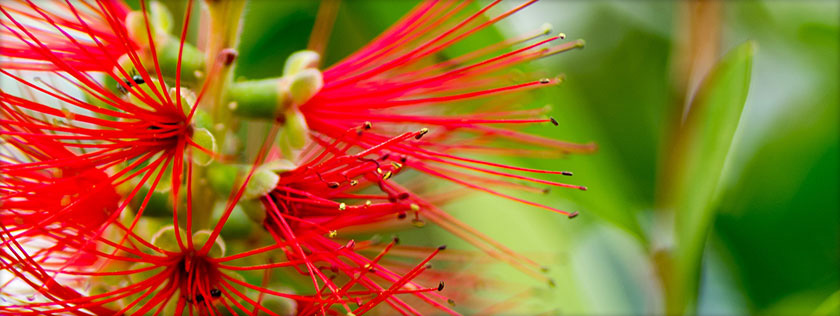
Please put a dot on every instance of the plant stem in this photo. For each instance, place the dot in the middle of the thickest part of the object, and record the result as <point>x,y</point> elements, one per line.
<point>222,41</point>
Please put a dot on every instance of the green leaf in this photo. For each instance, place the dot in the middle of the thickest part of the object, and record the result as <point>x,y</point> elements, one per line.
<point>696,163</point>
<point>831,306</point>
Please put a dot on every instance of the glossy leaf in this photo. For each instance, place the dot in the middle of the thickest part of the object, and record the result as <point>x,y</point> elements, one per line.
<point>696,163</point>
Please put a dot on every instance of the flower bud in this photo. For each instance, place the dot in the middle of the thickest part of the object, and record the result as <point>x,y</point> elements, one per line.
<point>301,60</point>
<point>266,98</point>
<point>254,209</point>
<point>280,165</point>
<point>304,85</point>
<point>261,183</point>
<point>296,129</point>
<point>205,139</point>
<point>201,237</point>
<point>293,136</point>
<point>192,60</point>
<point>167,47</point>
<point>165,239</point>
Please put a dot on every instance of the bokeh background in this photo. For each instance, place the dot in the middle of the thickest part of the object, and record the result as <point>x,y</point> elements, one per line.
<point>761,208</point>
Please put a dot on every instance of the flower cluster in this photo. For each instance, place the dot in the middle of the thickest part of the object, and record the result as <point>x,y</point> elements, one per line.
<point>135,179</point>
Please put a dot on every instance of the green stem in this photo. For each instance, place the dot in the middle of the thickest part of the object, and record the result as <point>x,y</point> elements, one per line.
<point>226,20</point>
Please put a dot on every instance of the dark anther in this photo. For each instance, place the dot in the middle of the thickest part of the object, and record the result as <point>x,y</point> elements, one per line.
<point>333,185</point>
<point>401,215</point>
<point>396,240</point>
<point>440,286</point>
<point>403,159</point>
<point>566,173</point>
<point>423,131</point>
<point>215,293</point>
<point>199,298</point>
<point>403,196</point>
<point>546,190</point>
<point>163,125</point>
<point>385,157</point>
<point>135,79</point>
<point>573,215</point>
<point>545,80</point>
<point>368,125</point>
<point>554,121</point>
<point>442,247</point>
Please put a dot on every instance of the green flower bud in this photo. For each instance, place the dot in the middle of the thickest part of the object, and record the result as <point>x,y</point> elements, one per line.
<point>205,139</point>
<point>280,165</point>
<point>167,47</point>
<point>192,60</point>
<point>201,237</point>
<point>296,129</point>
<point>165,239</point>
<point>301,60</point>
<point>304,85</point>
<point>266,98</point>
<point>254,209</point>
<point>261,183</point>
<point>187,98</point>
<point>202,119</point>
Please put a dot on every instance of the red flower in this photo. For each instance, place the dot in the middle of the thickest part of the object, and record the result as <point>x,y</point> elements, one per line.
<point>395,80</point>
<point>78,171</point>
<point>302,211</point>
<point>126,127</point>
<point>28,24</point>
<point>397,83</point>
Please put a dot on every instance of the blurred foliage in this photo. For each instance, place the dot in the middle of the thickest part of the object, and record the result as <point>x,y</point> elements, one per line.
<point>773,245</point>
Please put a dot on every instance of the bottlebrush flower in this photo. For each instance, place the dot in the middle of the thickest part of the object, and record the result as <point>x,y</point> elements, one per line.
<point>129,125</point>
<point>303,203</point>
<point>394,82</point>
<point>48,23</point>
<point>84,225</point>
<point>397,82</point>
<point>173,274</point>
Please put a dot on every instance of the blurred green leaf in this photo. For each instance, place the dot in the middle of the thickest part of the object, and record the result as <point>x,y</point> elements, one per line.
<point>831,306</point>
<point>783,210</point>
<point>696,163</point>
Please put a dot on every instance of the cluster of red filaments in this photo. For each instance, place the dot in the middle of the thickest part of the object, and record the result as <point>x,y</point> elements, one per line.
<point>26,24</point>
<point>304,213</point>
<point>71,166</point>
<point>395,81</point>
